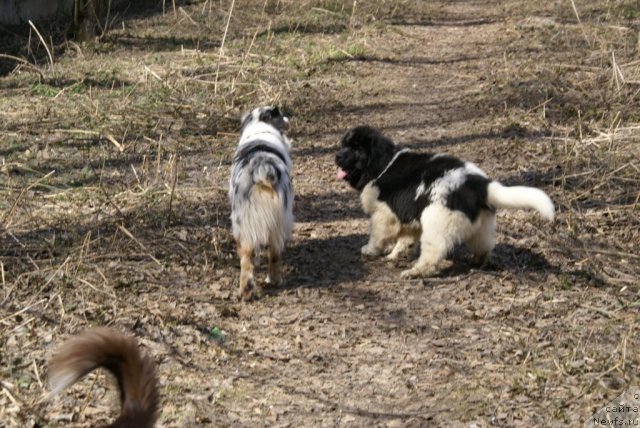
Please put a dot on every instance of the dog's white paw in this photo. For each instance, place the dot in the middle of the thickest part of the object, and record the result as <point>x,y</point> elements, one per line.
<point>393,256</point>
<point>275,282</point>
<point>417,272</point>
<point>370,251</point>
<point>410,273</point>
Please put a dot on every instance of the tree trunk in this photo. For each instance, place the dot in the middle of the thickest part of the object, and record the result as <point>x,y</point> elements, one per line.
<point>9,12</point>
<point>89,18</point>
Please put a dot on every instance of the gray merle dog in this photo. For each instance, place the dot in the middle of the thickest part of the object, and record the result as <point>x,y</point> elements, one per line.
<point>261,195</point>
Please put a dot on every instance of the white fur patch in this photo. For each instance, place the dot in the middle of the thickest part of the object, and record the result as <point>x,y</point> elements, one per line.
<point>261,211</point>
<point>420,191</point>
<point>441,188</point>
<point>263,131</point>
<point>369,198</point>
<point>472,168</point>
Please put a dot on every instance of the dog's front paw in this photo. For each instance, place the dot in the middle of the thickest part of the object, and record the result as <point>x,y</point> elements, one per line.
<point>370,251</point>
<point>274,281</point>
<point>480,260</point>
<point>248,290</point>
<point>415,272</point>
<point>410,273</point>
<point>393,256</point>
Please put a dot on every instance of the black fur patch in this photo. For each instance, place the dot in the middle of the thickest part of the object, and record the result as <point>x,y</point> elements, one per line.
<point>411,170</point>
<point>245,154</point>
<point>365,154</point>
<point>260,151</point>
<point>471,197</point>
<point>273,117</point>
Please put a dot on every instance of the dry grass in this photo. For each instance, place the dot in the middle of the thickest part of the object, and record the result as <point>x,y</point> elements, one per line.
<point>113,171</point>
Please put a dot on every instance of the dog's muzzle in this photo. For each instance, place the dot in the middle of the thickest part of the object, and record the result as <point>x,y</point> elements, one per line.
<point>344,158</point>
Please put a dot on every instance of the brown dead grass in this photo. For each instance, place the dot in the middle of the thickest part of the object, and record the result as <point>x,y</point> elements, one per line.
<point>114,162</point>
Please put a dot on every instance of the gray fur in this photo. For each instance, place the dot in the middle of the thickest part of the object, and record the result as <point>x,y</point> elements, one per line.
<point>260,189</point>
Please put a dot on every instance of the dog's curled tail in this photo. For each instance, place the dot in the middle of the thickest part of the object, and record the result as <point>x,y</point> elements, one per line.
<point>107,348</point>
<point>500,196</point>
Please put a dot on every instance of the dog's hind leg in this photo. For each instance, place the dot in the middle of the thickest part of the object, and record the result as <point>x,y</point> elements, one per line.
<point>247,289</point>
<point>441,230</point>
<point>483,240</point>
<point>275,265</point>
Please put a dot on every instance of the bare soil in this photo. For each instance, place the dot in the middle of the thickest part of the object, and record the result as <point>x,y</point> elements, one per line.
<point>114,164</point>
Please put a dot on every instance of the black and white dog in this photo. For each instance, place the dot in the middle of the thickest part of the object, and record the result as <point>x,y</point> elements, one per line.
<point>436,198</point>
<point>261,194</point>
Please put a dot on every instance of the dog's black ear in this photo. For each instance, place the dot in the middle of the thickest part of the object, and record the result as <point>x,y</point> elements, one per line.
<point>270,114</point>
<point>347,137</point>
<point>380,150</point>
<point>274,117</point>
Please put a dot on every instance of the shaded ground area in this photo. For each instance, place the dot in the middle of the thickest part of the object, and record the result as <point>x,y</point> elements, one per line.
<point>113,172</point>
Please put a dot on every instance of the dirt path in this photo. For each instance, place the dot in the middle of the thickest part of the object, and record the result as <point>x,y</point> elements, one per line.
<point>140,239</point>
<point>405,353</point>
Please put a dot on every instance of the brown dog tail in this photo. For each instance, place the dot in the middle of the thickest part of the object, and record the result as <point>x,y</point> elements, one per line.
<point>107,348</point>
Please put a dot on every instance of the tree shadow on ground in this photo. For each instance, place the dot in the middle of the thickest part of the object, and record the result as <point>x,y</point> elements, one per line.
<point>445,23</point>
<point>507,133</point>
<point>447,110</point>
<point>305,28</point>
<point>584,183</point>
<point>504,134</point>
<point>159,231</point>
<point>417,61</point>
<point>15,40</point>
<point>160,44</point>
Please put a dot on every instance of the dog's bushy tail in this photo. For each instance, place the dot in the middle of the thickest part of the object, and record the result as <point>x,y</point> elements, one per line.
<point>107,348</point>
<point>523,197</point>
<point>266,175</point>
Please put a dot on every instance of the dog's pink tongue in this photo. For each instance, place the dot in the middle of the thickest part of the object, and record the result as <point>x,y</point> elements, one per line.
<point>341,174</point>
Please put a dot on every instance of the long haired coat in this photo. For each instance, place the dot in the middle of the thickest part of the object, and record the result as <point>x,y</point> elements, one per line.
<point>261,194</point>
<point>135,373</point>
<point>436,199</point>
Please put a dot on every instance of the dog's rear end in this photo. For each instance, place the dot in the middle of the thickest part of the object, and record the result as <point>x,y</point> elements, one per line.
<point>261,196</point>
<point>135,374</point>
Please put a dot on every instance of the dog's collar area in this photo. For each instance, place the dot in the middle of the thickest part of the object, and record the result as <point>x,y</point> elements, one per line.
<point>401,151</point>
<point>253,134</point>
<point>261,147</point>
